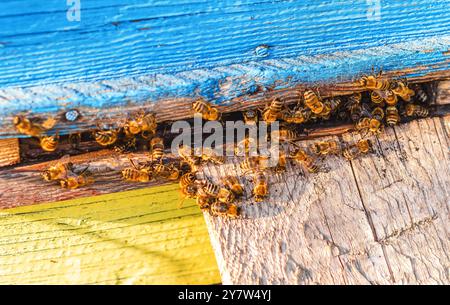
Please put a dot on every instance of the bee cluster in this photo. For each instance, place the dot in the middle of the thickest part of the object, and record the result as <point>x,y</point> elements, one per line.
<point>383,102</point>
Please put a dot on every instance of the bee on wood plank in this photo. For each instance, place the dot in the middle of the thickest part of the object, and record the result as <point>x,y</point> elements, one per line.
<point>31,128</point>
<point>187,156</point>
<point>401,89</point>
<point>250,117</point>
<point>416,110</point>
<point>302,158</point>
<point>232,183</point>
<point>137,173</point>
<point>243,147</point>
<point>375,82</point>
<point>157,149</point>
<point>313,102</point>
<point>226,195</point>
<point>169,172</point>
<point>392,116</point>
<point>273,110</point>
<point>249,165</point>
<point>369,125</point>
<point>207,111</point>
<point>106,137</point>
<point>209,155</point>
<point>209,189</point>
<point>205,202</point>
<point>260,186</point>
<point>229,210</point>
<point>49,143</point>
<point>325,147</point>
<point>58,169</point>
<point>297,116</point>
<point>76,180</point>
<point>143,123</point>
<point>353,151</point>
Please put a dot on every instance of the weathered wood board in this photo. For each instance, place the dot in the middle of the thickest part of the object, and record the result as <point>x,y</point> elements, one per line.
<point>9,152</point>
<point>381,219</point>
<point>133,237</point>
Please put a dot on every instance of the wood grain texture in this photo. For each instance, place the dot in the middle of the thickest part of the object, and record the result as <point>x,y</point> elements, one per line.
<point>443,93</point>
<point>376,220</point>
<point>105,165</point>
<point>9,152</point>
<point>119,57</point>
<point>134,237</point>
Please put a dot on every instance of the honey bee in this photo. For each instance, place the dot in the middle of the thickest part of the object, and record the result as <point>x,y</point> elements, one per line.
<point>186,153</point>
<point>401,89</point>
<point>376,120</point>
<point>209,189</point>
<point>232,183</point>
<point>354,107</point>
<point>353,151</point>
<point>188,191</point>
<point>58,170</point>
<point>284,135</point>
<point>49,143</point>
<point>30,128</point>
<point>372,82</point>
<point>376,97</point>
<point>416,110</point>
<point>207,111</point>
<point>301,157</point>
<point>273,110</point>
<point>225,195</point>
<point>330,106</point>
<point>325,147</point>
<point>391,98</point>
<point>392,116</point>
<point>369,125</point>
<point>261,187</point>
<point>157,149</point>
<point>187,179</point>
<point>144,123</point>
<point>313,102</point>
<point>205,202</point>
<point>73,180</point>
<point>421,95</point>
<point>243,147</point>
<point>209,154</point>
<point>298,116</point>
<point>137,173</point>
<point>223,209</point>
<point>106,137</point>
<point>250,117</point>
<point>250,164</point>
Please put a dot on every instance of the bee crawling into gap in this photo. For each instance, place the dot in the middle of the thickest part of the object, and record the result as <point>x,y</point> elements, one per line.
<point>106,137</point>
<point>75,180</point>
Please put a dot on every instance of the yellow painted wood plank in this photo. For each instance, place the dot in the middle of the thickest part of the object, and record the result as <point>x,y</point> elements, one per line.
<point>133,237</point>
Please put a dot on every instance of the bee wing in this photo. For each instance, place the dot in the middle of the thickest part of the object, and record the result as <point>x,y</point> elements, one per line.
<point>366,110</point>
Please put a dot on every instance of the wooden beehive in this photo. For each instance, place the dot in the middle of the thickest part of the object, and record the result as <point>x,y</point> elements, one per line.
<point>381,219</point>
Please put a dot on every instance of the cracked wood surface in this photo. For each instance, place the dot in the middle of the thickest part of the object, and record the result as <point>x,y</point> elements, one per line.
<point>380,219</point>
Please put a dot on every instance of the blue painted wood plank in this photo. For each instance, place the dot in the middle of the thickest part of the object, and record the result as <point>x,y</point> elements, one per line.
<point>136,52</point>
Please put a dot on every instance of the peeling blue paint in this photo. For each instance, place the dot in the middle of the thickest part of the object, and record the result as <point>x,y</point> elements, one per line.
<point>218,50</point>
